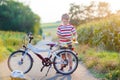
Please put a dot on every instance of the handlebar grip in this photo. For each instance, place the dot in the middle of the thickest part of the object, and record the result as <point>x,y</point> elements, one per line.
<point>29,33</point>
<point>31,37</point>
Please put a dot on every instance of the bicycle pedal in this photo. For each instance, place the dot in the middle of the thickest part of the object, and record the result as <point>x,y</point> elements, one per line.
<point>48,69</point>
<point>42,68</point>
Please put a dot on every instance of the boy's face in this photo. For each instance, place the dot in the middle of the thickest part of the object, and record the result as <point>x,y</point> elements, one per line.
<point>65,21</point>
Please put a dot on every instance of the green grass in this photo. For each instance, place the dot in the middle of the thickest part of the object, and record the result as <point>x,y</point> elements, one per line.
<point>50,25</point>
<point>9,42</point>
<point>97,75</point>
<point>101,63</point>
<point>3,50</point>
<point>12,39</point>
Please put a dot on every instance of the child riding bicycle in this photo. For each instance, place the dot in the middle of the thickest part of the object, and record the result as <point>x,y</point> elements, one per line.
<point>65,33</point>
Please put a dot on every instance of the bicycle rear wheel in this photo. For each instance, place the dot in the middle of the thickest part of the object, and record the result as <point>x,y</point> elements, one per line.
<point>68,64</point>
<point>16,61</point>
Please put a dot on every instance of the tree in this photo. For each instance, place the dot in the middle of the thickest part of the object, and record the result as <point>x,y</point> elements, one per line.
<point>89,11</point>
<point>16,16</point>
<point>75,14</point>
<point>80,14</point>
<point>103,9</point>
<point>37,29</point>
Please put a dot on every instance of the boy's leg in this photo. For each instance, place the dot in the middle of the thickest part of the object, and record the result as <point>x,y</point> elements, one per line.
<point>70,57</point>
<point>70,61</point>
<point>63,57</point>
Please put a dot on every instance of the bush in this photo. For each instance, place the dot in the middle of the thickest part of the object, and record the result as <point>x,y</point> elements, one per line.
<point>9,41</point>
<point>3,51</point>
<point>113,75</point>
<point>13,42</point>
<point>103,34</point>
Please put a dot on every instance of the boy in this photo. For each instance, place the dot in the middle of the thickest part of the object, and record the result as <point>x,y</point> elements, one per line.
<point>65,34</point>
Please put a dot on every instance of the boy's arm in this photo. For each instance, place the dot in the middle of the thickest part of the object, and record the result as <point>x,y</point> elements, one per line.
<point>59,33</point>
<point>74,33</point>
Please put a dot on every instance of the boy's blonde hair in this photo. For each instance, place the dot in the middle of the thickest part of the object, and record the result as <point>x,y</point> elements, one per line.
<point>65,16</point>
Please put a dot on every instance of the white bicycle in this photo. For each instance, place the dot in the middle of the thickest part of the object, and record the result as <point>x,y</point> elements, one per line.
<point>23,61</point>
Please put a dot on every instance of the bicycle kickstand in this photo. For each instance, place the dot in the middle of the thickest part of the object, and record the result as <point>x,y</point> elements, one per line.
<point>48,69</point>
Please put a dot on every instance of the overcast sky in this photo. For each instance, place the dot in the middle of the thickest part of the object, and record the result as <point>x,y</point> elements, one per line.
<point>51,10</point>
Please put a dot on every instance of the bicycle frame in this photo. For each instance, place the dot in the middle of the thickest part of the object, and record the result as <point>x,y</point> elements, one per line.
<point>37,52</point>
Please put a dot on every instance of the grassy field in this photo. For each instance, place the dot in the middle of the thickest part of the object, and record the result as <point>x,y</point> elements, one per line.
<point>50,25</point>
<point>9,42</point>
<point>101,63</point>
<point>50,28</point>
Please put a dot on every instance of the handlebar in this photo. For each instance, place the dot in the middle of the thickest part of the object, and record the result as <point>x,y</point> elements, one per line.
<point>30,36</point>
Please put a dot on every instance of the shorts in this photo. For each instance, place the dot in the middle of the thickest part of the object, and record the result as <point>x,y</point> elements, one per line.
<point>69,46</point>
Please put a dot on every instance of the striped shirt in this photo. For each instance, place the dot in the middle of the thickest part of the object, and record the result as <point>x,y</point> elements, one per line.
<point>66,33</point>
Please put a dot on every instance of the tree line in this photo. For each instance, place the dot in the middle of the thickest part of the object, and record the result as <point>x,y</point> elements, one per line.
<point>81,14</point>
<point>15,16</point>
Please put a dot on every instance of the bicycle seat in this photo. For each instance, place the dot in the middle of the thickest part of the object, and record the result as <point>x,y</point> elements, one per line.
<point>51,44</point>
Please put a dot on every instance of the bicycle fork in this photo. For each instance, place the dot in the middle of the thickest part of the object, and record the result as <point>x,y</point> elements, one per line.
<point>23,56</point>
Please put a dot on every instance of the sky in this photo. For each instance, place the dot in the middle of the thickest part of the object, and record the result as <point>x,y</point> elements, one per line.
<point>51,10</point>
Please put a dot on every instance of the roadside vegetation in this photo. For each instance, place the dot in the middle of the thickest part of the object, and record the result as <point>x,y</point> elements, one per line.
<point>9,42</point>
<point>100,48</point>
<point>102,64</point>
<point>99,38</point>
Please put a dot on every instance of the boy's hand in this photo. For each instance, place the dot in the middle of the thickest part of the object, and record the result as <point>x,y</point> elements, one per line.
<point>74,40</point>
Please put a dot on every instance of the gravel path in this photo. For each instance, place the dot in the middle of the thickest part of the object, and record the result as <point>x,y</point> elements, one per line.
<point>80,74</point>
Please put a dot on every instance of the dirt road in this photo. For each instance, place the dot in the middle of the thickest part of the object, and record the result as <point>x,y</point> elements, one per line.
<point>80,74</point>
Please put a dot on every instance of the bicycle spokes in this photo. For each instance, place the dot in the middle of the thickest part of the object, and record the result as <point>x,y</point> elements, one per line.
<point>67,64</point>
<point>17,62</point>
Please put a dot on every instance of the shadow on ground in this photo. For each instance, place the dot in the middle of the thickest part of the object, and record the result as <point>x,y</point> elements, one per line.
<point>58,77</point>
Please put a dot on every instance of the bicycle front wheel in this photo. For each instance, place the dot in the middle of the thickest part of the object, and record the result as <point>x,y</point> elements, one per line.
<point>65,62</point>
<point>18,60</point>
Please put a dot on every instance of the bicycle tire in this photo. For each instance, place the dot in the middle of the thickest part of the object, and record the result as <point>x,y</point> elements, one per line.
<point>62,72</point>
<point>17,52</point>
